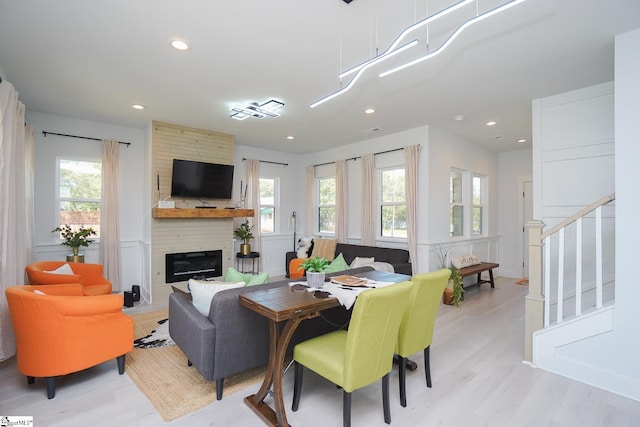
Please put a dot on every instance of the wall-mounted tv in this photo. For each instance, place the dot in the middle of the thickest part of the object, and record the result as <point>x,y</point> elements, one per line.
<point>201,180</point>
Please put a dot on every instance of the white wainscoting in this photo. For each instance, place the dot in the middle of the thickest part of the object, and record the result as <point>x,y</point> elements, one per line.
<point>487,249</point>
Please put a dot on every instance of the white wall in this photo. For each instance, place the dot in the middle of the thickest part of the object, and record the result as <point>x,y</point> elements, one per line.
<point>610,360</point>
<point>291,198</point>
<point>448,151</point>
<point>131,187</point>
<point>514,166</point>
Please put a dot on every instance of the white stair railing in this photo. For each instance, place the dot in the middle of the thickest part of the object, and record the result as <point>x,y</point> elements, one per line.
<point>547,289</point>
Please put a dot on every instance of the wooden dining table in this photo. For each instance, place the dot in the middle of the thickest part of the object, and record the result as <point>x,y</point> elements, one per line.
<point>292,307</point>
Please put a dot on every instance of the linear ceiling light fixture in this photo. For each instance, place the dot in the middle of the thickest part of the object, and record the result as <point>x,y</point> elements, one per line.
<point>391,51</point>
<point>453,36</point>
<point>258,111</point>
<point>394,49</point>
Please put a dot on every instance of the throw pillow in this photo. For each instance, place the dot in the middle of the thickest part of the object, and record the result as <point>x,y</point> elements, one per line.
<point>360,261</point>
<point>338,264</point>
<point>324,248</point>
<point>63,269</point>
<point>295,272</point>
<point>203,292</point>
<point>305,247</point>
<point>464,261</point>
<point>234,275</point>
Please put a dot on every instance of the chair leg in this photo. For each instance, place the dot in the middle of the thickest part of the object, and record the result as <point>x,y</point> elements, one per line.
<point>297,385</point>
<point>402,380</point>
<point>219,386</point>
<point>120,360</point>
<point>51,387</point>
<point>346,409</point>
<point>31,380</point>
<point>385,399</point>
<point>427,366</point>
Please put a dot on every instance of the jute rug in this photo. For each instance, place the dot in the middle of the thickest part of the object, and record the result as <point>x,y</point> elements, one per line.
<point>171,386</point>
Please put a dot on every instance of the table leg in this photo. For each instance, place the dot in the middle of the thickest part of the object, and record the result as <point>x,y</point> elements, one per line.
<point>277,352</point>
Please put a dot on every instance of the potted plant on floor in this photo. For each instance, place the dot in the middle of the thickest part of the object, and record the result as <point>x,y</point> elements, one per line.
<point>74,239</point>
<point>244,232</point>
<point>453,291</point>
<point>315,267</point>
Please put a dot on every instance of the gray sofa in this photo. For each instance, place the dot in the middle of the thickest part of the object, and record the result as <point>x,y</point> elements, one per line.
<point>398,258</point>
<point>233,338</point>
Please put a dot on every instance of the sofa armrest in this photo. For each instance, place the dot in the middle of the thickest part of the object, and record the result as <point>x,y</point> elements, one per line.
<point>405,268</point>
<point>193,333</point>
<point>287,260</point>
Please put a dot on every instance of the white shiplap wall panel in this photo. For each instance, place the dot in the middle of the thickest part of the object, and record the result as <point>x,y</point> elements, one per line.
<point>185,235</point>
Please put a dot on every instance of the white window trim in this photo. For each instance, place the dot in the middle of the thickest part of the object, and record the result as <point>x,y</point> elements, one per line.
<point>379,172</point>
<point>276,203</point>
<point>56,214</point>
<point>318,206</point>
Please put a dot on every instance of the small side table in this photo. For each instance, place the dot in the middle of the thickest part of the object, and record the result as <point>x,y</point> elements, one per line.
<point>242,258</point>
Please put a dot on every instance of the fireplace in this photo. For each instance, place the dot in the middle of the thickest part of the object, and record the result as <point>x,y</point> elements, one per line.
<point>183,266</point>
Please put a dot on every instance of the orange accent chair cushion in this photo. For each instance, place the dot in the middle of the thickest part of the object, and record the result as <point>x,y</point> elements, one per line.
<point>62,331</point>
<point>294,271</point>
<point>88,275</point>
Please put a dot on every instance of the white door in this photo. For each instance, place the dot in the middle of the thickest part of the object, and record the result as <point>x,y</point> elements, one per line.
<point>527,215</point>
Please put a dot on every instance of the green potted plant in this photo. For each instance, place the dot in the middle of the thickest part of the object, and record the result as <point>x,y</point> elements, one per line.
<point>75,238</point>
<point>315,267</point>
<point>455,285</point>
<point>244,232</point>
<point>453,291</point>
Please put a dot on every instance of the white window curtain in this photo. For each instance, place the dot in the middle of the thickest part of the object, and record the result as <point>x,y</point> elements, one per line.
<point>368,230</point>
<point>411,161</point>
<point>253,183</point>
<point>310,193</point>
<point>341,201</point>
<point>16,216</point>
<point>109,214</point>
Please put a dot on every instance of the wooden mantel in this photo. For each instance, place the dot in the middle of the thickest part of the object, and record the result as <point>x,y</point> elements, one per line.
<point>201,213</point>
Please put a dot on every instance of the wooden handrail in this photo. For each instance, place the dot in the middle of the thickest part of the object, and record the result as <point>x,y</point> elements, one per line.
<point>573,218</point>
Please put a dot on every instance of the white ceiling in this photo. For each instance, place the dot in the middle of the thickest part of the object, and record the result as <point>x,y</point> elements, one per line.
<point>92,60</point>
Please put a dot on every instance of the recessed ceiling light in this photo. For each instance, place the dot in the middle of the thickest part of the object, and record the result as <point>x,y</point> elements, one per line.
<point>179,44</point>
<point>291,137</point>
<point>369,111</point>
<point>491,123</point>
<point>137,107</point>
<point>522,141</point>
<point>458,118</point>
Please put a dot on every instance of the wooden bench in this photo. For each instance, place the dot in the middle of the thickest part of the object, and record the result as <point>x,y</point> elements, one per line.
<point>478,269</point>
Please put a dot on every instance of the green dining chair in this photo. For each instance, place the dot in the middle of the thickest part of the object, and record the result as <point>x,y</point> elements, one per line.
<point>361,355</point>
<point>416,328</point>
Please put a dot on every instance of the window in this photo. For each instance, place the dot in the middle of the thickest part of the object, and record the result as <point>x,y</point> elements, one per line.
<point>327,205</point>
<point>268,187</point>
<point>79,193</point>
<point>393,206</point>
<point>456,209</point>
<point>477,202</point>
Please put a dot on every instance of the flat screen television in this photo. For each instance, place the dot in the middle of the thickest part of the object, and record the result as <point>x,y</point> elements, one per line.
<point>200,180</point>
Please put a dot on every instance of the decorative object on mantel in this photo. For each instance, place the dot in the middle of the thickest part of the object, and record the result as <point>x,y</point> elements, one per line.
<point>74,239</point>
<point>244,232</point>
<point>315,268</point>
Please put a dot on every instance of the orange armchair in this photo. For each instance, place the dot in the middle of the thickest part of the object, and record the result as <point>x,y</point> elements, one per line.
<point>88,275</point>
<point>64,331</point>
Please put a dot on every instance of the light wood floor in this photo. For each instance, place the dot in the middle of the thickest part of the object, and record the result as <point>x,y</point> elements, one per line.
<point>478,380</point>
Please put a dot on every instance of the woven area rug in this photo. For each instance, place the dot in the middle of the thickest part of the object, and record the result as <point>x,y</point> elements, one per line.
<point>171,386</point>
